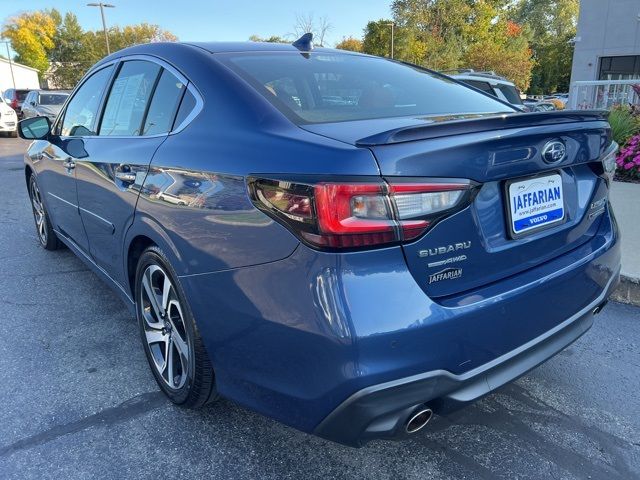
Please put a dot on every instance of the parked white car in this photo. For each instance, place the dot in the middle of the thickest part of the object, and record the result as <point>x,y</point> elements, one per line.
<point>491,83</point>
<point>8,119</point>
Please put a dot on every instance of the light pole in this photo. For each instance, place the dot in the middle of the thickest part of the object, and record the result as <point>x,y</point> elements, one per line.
<point>104,25</point>
<point>392,32</point>
<point>13,78</point>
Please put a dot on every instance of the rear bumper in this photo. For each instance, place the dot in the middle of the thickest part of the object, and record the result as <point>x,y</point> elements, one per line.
<point>381,411</point>
<point>9,126</point>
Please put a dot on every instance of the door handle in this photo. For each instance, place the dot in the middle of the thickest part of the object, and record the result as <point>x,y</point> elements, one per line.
<point>124,174</point>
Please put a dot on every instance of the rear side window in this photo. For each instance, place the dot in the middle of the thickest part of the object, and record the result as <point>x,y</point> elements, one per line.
<point>484,86</point>
<point>164,105</point>
<point>80,115</point>
<point>128,98</point>
<point>186,107</point>
<point>510,93</point>
<point>334,87</point>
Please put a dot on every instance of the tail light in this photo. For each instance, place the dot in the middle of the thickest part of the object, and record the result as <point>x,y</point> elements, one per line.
<point>14,104</point>
<point>351,215</point>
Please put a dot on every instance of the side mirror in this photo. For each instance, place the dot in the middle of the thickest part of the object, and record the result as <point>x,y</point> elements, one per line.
<point>35,128</point>
<point>33,103</point>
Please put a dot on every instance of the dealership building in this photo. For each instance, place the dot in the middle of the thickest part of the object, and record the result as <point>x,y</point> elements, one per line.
<point>607,53</point>
<point>13,74</point>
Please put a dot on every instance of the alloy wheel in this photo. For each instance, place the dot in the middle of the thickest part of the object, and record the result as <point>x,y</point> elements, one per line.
<point>38,213</point>
<point>164,326</point>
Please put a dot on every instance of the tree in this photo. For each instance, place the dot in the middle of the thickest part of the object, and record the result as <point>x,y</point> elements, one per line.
<point>307,23</point>
<point>449,34</point>
<point>350,43</point>
<point>552,27</point>
<point>506,52</point>
<point>69,58</point>
<point>271,39</point>
<point>32,37</point>
<point>377,38</point>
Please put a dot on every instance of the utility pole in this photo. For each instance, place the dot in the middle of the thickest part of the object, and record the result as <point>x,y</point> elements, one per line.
<point>392,35</point>
<point>104,24</point>
<point>13,78</point>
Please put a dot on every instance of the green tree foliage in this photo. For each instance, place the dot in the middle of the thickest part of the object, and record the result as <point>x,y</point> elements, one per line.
<point>57,45</point>
<point>552,26</point>
<point>70,58</point>
<point>271,39</point>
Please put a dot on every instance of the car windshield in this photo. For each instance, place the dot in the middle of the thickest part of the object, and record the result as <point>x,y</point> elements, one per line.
<point>52,98</point>
<point>333,87</point>
<point>511,93</point>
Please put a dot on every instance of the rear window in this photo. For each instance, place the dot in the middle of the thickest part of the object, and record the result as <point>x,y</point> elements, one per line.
<point>328,87</point>
<point>21,94</point>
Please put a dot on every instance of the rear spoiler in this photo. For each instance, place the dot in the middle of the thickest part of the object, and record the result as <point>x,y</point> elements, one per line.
<point>446,128</point>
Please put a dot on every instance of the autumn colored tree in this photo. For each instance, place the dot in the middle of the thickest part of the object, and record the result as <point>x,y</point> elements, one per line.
<point>350,43</point>
<point>32,37</point>
<point>506,51</point>
<point>449,34</point>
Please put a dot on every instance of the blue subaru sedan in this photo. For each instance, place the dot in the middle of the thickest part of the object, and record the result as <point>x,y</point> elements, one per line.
<point>344,243</point>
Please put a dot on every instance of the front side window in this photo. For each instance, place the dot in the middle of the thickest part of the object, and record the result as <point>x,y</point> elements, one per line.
<point>334,87</point>
<point>80,115</point>
<point>128,99</point>
<point>164,104</point>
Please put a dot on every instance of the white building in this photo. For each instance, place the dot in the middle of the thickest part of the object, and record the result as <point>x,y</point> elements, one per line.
<point>606,60</point>
<point>24,77</point>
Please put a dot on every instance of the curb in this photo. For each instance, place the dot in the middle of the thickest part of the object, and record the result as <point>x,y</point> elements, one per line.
<point>628,291</point>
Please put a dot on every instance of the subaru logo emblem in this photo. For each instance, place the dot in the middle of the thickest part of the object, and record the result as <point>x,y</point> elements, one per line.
<point>554,152</point>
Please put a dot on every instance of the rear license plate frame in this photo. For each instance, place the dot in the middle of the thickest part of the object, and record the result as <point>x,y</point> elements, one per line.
<point>516,234</point>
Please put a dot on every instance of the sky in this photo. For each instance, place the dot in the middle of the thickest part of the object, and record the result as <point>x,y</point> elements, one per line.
<point>217,20</point>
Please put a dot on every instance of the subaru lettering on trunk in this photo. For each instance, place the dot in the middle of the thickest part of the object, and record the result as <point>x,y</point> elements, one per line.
<point>290,225</point>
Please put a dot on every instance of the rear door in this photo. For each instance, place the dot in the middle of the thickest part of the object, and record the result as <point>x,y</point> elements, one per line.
<point>28,110</point>
<point>138,113</point>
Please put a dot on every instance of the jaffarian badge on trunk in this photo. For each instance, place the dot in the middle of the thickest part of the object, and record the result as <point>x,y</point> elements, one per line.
<point>446,274</point>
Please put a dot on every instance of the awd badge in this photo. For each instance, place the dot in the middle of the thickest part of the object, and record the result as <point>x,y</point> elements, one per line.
<point>446,274</point>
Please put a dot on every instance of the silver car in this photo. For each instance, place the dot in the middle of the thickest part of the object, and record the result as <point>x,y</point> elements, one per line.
<point>44,103</point>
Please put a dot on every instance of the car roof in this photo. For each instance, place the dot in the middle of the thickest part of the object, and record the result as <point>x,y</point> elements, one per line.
<point>228,47</point>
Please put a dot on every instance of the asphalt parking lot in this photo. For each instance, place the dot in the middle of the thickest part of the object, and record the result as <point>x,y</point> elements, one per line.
<point>77,399</point>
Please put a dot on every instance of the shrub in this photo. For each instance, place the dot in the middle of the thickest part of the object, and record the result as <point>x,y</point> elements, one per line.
<point>557,103</point>
<point>624,123</point>
<point>628,159</point>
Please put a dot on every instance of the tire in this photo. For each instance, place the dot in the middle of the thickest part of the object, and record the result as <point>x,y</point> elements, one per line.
<point>169,334</point>
<point>13,134</point>
<point>46,235</point>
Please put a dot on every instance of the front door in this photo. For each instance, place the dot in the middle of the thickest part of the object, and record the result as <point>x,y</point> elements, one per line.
<point>56,159</point>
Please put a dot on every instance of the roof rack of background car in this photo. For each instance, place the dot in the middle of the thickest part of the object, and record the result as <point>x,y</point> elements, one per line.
<point>472,72</point>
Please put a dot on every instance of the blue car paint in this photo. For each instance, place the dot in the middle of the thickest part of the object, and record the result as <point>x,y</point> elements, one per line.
<point>294,332</point>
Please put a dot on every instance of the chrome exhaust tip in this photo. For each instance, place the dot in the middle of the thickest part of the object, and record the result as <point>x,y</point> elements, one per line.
<point>599,308</point>
<point>418,420</point>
